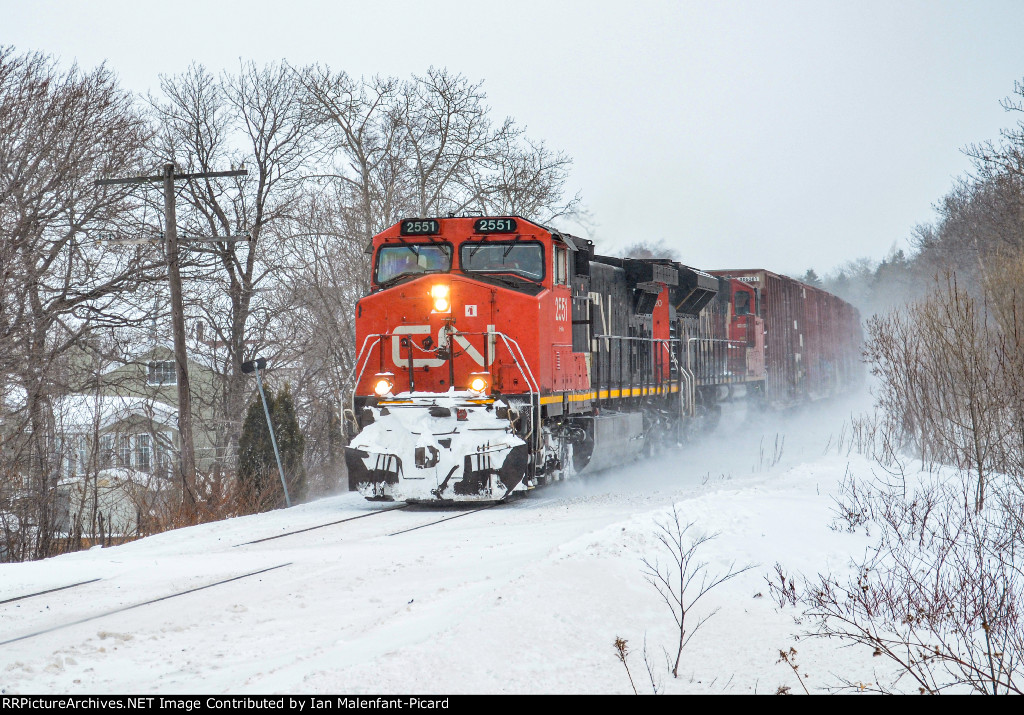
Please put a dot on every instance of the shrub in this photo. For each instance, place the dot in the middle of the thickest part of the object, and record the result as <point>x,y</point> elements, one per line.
<point>257,467</point>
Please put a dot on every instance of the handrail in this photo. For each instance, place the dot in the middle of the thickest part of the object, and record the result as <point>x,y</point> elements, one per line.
<point>359,357</point>
<point>519,361</point>
<point>687,406</point>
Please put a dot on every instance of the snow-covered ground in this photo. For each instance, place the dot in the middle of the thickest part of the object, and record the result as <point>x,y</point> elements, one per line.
<point>525,598</point>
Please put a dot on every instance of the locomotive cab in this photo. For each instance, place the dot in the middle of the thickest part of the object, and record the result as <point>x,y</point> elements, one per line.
<point>746,332</point>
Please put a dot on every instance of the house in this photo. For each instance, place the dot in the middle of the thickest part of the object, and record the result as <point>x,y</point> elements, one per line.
<point>151,375</point>
<point>117,448</point>
<point>97,432</point>
<point>113,444</point>
<point>115,457</point>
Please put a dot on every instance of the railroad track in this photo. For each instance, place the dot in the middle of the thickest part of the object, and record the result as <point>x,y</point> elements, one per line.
<point>368,514</point>
<point>151,601</point>
<point>322,526</point>
<point>130,607</point>
<point>49,590</point>
<point>449,518</point>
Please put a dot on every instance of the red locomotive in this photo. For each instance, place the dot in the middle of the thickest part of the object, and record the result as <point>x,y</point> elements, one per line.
<point>496,354</point>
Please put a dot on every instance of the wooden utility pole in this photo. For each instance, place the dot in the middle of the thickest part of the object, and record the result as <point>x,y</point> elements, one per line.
<point>167,178</point>
<point>188,451</point>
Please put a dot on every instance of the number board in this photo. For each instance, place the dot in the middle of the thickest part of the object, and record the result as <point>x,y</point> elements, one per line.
<point>420,227</point>
<point>495,225</point>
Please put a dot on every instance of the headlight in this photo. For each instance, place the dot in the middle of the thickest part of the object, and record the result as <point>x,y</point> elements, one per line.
<point>382,385</point>
<point>478,382</point>
<point>439,294</point>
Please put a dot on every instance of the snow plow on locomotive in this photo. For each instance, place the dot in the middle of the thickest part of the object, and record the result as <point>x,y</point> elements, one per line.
<point>496,355</point>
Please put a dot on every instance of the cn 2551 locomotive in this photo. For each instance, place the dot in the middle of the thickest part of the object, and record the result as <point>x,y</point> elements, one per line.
<point>497,354</point>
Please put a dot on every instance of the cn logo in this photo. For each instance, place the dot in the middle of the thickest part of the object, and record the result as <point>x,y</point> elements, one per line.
<point>400,355</point>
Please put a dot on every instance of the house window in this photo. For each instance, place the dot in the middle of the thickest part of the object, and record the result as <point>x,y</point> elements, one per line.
<point>142,453</point>
<point>83,454</point>
<point>62,510</point>
<point>72,454</point>
<point>65,455</point>
<point>163,453</point>
<point>124,451</point>
<point>106,451</point>
<point>162,372</point>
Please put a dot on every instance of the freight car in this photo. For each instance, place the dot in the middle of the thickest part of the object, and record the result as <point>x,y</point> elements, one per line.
<point>497,354</point>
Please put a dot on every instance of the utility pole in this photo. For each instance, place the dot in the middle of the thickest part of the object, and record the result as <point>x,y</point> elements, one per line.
<point>188,453</point>
<point>167,178</point>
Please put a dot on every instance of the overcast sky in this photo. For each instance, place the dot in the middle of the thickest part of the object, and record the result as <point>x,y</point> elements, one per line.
<point>783,135</point>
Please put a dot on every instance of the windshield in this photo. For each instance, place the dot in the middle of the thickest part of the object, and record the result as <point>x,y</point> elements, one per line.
<point>524,259</point>
<point>742,303</point>
<point>412,258</point>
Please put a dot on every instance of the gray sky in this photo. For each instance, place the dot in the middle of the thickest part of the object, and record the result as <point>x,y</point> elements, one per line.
<point>783,135</point>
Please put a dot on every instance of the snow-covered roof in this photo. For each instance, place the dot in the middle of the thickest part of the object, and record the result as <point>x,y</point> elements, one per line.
<point>75,412</point>
<point>117,477</point>
<point>204,357</point>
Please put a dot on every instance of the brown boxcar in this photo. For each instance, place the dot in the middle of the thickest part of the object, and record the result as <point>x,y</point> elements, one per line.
<point>812,338</point>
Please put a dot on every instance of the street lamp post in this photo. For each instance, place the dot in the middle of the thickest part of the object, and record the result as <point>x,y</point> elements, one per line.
<point>255,366</point>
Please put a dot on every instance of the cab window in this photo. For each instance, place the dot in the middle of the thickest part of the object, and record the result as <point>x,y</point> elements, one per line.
<point>561,266</point>
<point>521,259</point>
<point>742,302</point>
<point>395,261</point>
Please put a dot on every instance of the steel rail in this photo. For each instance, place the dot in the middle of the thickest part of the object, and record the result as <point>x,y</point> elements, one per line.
<point>321,526</point>
<point>440,521</point>
<point>51,590</point>
<point>138,605</point>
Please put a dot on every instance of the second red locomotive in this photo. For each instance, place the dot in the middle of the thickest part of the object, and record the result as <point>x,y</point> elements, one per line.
<point>496,354</point>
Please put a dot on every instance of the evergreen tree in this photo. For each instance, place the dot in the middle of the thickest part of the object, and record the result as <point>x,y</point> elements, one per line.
<point>811,278</point>
<point>257,467</point>
<point>292,443</point>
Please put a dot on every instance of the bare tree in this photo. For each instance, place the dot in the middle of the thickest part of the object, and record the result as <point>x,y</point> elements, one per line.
<point>363,146</point>
<point>685,580</point>
<point>450,138</point>
<point>528,179</point>
<point>252,117</point>
<point>940,597</point>
<point>461,161</point>
<point>60,130</point>
<point>325,275</point>
<point>940,377</point>
<point>428,146</point>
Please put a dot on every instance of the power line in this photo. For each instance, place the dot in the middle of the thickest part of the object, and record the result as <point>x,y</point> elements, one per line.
<point>167,178</point>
